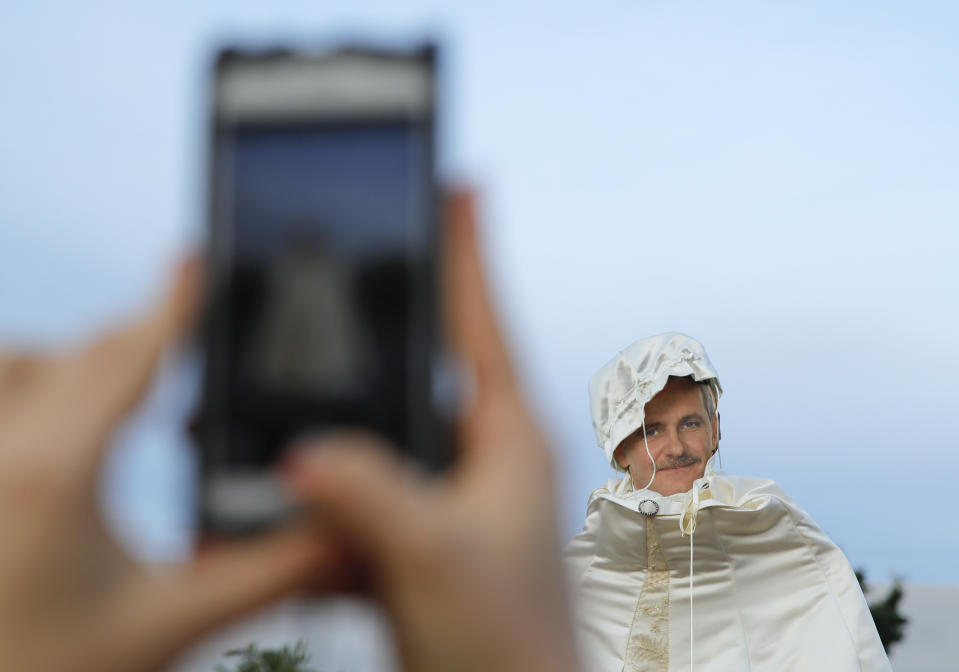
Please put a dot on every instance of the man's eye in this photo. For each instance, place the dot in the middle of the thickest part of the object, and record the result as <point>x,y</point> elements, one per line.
<point>651,432</point>
<point>691,423</point>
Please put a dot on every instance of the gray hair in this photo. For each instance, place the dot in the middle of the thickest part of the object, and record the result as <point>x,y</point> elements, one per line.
<point>709,400</point>
<point>708,393</point>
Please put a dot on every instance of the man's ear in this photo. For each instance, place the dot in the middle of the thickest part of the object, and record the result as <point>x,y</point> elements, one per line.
<point>717,433</point>
<point>620,458</point>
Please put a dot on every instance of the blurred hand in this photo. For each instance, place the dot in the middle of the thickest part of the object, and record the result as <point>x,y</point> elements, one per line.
<point>70,598</point>
<point>466,567</point>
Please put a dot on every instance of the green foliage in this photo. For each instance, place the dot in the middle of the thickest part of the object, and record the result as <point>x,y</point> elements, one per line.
<point>254,659</point>
<point>885,613</point>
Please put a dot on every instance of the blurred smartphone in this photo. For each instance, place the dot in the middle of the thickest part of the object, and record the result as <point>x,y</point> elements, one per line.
<point>323,268</point>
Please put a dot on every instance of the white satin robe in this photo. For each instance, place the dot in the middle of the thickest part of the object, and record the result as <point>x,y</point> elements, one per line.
<point>772,593</point>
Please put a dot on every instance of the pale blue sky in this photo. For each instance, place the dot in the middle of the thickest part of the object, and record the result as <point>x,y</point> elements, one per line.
<point>777,179</point>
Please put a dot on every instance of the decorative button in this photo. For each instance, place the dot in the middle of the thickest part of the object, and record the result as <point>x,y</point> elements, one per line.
<point>648,508</point>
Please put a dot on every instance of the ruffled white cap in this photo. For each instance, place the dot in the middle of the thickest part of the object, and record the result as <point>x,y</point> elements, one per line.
<point>619,391</point>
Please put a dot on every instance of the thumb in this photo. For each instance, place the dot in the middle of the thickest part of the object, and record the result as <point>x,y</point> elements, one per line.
<point>356,484</point>
<point>179,604</point>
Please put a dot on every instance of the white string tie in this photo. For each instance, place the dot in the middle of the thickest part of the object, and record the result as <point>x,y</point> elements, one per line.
<point>687,526</point>
<point>651,460</point>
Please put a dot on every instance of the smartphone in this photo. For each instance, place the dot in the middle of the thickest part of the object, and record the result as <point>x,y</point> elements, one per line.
<point>323,287</point>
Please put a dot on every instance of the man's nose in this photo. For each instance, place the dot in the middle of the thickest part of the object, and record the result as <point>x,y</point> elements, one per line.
<point>673,445</point>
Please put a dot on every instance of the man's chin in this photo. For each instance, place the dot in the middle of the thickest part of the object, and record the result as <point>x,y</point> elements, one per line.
<point>671,489</point>
<point>677,481</point>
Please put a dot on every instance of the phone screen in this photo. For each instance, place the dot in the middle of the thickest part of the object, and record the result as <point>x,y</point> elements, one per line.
<point>323,317</point>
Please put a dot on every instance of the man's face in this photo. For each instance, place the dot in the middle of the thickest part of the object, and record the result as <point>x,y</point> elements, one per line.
<point>681,439</point>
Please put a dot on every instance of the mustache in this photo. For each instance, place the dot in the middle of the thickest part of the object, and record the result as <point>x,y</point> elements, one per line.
<point>681,461</point>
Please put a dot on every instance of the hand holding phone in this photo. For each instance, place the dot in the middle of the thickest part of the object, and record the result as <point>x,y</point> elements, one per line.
<point>466,567</point>
<point>71,598</point>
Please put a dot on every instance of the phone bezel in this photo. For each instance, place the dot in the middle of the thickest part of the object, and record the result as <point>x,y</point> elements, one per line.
<point>430,443</point>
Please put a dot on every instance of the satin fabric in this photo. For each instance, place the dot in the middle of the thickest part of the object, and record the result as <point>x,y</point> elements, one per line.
<point>771,591</point>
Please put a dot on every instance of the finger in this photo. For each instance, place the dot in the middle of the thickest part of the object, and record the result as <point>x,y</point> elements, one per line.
<point>101,383</point>
<point>472,321</point>
<point>354,483</point>
<point>220,586</point>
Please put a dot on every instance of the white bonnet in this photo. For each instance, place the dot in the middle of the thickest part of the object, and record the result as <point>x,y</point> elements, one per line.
<point>618,392</point>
